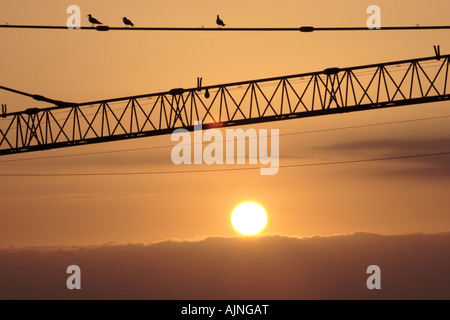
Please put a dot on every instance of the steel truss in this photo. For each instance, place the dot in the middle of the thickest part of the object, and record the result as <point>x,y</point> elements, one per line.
<point>330,91</point>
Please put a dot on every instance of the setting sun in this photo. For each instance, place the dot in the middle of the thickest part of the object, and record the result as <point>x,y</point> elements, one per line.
<point>249,218</point>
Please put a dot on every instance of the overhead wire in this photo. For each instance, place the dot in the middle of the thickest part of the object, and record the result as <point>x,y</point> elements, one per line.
<point>222,169</point>
<point>305,29</point>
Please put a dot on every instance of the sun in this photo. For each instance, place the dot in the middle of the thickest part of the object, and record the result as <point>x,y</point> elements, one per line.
<point>249,218</point>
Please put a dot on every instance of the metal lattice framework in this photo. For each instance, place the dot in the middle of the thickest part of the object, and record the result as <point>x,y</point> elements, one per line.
<point>330,91</point>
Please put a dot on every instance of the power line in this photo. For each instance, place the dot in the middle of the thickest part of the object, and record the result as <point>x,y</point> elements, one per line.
<point>88,154</point>
<point>38,97</point>
<point>220,170</point>
<point>202,29</point>
<point>283,134</point>
<point>368,125</point>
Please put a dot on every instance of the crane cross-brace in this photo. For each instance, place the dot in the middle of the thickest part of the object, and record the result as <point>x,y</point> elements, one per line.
<point>330,91</point>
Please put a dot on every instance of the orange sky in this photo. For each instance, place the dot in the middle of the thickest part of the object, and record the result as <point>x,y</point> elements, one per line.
<point>392,197</point>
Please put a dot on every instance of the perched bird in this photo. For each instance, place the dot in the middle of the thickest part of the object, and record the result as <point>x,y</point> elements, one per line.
<point>93,20</point>
<point>127,22</point>
<point>219,22</point>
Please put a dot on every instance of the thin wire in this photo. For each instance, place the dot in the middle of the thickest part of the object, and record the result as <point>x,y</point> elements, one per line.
<point>368,125</point>
<point>202,29</point>
<point>219,170</point>
<point>283,134</point>
<point>87,154</point>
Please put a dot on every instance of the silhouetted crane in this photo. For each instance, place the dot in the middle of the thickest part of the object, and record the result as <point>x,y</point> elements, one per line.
<point>330,91</point>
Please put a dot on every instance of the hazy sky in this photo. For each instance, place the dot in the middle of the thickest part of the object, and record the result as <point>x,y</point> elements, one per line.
<point>389,197</point>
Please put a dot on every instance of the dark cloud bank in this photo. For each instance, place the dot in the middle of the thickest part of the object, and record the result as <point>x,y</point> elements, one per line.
<point>415,266</point>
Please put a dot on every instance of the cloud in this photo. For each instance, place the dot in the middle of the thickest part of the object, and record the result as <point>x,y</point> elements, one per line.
<point>429,166</point>
<point>412,266</point>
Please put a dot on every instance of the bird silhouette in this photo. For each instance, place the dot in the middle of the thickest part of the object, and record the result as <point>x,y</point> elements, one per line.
<point>93,20</point>
<point>127,22</point>
<point>219,22</point>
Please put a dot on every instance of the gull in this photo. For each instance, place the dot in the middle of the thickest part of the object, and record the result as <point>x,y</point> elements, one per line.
<point>93,20</point>
<point>127,22</point>
<point>220,22</point>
